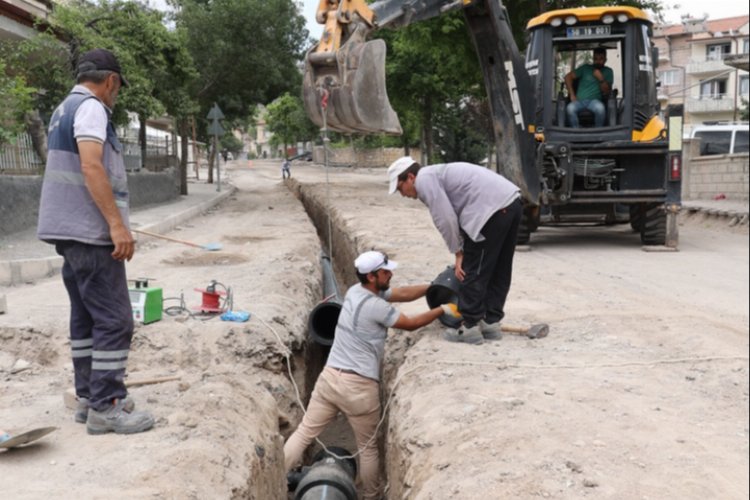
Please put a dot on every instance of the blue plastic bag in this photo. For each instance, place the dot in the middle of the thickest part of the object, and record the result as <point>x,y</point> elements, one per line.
<point>239,316</point>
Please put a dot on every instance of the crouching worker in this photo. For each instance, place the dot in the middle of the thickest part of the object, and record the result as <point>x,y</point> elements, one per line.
<point>349,383</point>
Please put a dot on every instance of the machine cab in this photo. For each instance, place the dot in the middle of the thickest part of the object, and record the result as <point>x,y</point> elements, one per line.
<point>568,40</point>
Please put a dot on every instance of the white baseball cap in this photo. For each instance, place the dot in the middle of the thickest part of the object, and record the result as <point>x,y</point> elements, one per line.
<point>397,168</point>
<point>372,261</point>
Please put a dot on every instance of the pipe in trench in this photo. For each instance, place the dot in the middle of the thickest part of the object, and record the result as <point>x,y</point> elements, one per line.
<point>321,323</point>
<point>328,478</point>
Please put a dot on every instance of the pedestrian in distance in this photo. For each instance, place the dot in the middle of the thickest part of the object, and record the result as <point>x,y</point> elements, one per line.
<point>84,212</point>
<point>477,212</point>
<point>350,381</point>
<point>285,169</point>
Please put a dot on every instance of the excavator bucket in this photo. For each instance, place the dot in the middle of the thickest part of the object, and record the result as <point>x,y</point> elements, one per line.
<point>345,90</point>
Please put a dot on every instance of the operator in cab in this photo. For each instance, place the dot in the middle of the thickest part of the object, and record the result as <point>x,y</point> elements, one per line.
<point>594,84</point>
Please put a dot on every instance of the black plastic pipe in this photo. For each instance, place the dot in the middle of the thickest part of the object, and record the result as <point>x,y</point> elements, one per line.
<point>444,290</point>
<point>323,318</point>
<point>328,478</point>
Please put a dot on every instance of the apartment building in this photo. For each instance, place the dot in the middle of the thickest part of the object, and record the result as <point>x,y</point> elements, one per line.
<point>693,69</point>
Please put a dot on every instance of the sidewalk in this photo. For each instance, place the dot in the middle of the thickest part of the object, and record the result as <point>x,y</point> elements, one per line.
<point>722,208</point>
<point>24,258</point>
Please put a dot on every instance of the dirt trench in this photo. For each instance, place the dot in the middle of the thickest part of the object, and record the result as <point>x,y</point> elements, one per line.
<point>345,244</point>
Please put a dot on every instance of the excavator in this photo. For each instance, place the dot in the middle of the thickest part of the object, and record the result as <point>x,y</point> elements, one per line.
<point>628,169</point>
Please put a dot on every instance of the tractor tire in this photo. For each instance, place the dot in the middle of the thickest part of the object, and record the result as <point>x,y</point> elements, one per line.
<point>636,217</point>
<point>654,225</point>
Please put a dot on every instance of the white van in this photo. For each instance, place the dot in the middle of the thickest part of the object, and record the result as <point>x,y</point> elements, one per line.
<point>721,139</point>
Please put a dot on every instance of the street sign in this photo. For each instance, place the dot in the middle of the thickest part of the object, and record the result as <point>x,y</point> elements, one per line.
<point>215,113</point>
<point>215,128</point>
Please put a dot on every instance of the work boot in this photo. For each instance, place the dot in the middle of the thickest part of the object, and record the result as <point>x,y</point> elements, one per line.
<point>82,409</point>
<point>490,331</point>
<point>118,420</point>
<point>472,335</point>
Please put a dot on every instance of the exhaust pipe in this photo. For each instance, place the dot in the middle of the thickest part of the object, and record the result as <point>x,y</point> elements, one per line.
<point>322,320</point>
<point>328,478</point>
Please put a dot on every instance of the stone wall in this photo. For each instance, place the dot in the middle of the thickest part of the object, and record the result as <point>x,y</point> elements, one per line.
<point>19,196</point>
<point>349,157</point>
<point>706,177</point>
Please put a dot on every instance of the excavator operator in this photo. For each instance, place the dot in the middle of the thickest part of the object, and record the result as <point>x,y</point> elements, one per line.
<point>594,84</point>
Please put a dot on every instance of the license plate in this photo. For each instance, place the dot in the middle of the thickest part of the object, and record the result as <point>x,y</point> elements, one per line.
<point>588,31</point>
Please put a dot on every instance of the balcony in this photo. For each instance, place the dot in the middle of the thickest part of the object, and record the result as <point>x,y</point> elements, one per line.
<point>716,103</point>
<point>706,66</point>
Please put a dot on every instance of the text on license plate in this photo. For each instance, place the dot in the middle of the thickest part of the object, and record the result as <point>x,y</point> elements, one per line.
<point>584,31</point>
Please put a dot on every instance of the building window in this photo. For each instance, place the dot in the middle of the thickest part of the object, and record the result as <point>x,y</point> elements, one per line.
<point>713,89</point>
<point>670,77</point>
<point>744,86</point>
<point>717,51</point>
<point>745,46</point>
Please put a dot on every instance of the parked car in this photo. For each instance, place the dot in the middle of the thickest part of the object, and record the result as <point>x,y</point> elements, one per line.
<point>304,156</point>
<point>721,139</point>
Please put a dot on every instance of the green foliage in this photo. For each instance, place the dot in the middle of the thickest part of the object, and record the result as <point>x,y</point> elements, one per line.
<point>44,63</point>
<point>15,101</point>
<point>428,64</point>
<point>464,131</point>
<point>246,51</point>
<point>154,59</point>
<point>231,143</point>
<point>287,120</point>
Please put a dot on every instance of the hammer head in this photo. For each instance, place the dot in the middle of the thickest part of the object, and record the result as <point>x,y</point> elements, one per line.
<point>538,331</point>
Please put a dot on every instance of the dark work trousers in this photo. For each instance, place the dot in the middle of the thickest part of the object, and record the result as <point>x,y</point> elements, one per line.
<point>488,266</point>
<point>101,320</point>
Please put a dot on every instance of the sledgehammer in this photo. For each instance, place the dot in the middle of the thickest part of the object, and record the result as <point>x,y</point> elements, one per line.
<point>537,331</point>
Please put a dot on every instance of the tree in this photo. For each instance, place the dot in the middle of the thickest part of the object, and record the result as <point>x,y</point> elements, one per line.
<point>15,101</point>
<point>430,63</point>
<point>154,58</point>
<point>246,51</point>
<point>287,120</point>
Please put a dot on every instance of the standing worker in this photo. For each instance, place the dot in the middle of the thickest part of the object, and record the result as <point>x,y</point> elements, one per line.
<point>349,383</point>
<point>84,212</point>
<point>477,211</point>
<point>285,172</point>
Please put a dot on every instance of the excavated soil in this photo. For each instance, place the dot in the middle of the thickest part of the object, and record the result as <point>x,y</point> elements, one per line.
<point>639,391</point>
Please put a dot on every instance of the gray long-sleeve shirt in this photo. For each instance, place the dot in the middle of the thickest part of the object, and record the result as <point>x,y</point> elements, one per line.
<point>462,196</point>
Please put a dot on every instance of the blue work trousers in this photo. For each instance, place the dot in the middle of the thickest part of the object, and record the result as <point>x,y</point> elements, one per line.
<point>101,320</point>
<point>488,265</point>
<point>594,105</point>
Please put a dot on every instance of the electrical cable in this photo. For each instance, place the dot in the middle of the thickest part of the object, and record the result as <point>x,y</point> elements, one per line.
<point>226,303</point>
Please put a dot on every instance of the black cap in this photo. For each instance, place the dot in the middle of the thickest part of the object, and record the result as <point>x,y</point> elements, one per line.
<point>100,59</point>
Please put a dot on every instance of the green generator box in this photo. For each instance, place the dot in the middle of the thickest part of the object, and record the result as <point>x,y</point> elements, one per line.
<point>146,303</point>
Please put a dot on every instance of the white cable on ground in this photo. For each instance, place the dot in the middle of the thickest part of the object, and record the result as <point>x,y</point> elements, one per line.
<point>287,353</point>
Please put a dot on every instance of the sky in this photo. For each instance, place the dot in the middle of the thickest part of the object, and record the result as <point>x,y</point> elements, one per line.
<point>716,9</point>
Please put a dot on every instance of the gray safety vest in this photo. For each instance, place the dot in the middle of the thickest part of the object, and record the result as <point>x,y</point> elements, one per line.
<point>66,209</point>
